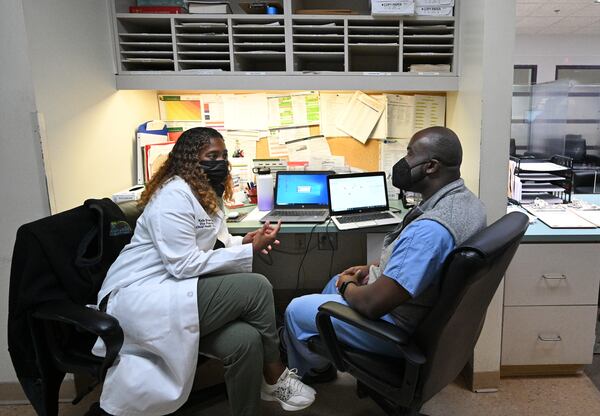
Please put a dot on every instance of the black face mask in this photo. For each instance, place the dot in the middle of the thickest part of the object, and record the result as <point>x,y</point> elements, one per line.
<point>217,171</point>
<point>402,176</point>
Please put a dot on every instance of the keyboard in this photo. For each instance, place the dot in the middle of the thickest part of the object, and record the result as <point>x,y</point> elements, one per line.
<point>364,217</point>
<point>298,212</point>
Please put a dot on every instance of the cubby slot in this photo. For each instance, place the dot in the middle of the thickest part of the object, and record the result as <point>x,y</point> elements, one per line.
<point>259,62</point>
<point>318,44</point>
<point>427,42</point>
<point>316,7</point>
<point>259,45</point>
<point>319,61</point>
<point>203,44</point>
<point>145,44</point>
<point>373,58</point>
<point>147,64</point>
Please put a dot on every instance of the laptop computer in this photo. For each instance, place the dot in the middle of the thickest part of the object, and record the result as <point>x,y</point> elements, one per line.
<point>300,197</point>
<point>358,200</point>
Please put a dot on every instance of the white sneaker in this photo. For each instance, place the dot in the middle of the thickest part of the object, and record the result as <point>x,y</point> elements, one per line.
<point>291,393</point>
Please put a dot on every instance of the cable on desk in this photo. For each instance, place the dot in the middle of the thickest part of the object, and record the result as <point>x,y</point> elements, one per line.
<point>304,256</point>
<point>332,248</point>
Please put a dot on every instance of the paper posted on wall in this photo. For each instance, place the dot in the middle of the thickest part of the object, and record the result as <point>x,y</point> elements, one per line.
<point>332,107</point>
<point>430,110</point>
<point>246,112</point>
<point>391,151</point>
<point>360,116</point>
<point>294,110</point>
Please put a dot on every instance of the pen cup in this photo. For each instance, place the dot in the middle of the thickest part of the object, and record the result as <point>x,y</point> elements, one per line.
<point>251,193</point>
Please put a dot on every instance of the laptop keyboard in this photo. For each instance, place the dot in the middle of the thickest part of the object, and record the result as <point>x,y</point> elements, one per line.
<point>364,217</point>
<point>298,212</point>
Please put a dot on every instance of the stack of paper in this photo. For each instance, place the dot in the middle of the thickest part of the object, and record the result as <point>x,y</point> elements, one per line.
<point>434,7</point>
<point>208,7</point>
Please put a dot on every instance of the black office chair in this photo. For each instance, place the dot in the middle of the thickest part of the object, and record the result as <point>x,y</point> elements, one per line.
<point>443,343</point>
<point>59,264</point>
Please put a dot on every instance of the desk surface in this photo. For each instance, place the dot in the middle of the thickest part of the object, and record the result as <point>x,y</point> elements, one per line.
<point>244,227</point>
<point>538,232</point>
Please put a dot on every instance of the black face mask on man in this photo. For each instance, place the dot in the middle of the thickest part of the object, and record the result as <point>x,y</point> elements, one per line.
<point>216,171</point>
<point>402,176</point>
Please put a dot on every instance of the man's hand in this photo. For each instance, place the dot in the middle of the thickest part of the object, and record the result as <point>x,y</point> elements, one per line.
<point>265,237</point>
<point>345,277</point>
<point>364,273</point>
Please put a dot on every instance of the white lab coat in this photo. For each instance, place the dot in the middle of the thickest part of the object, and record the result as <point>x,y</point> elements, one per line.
<point>152,288</point>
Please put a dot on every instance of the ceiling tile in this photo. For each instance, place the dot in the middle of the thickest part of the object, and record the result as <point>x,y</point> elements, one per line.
<point>528,30</point>
<point>577,22</point>
<point>589,30</point>
<point>526,9</point>
<point>555,30</point>
<point>549,9</point>
<point>589,10</point>
<point>534,21</point>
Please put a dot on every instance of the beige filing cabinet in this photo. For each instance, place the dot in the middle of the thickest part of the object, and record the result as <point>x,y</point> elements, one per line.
<point>550,308</point>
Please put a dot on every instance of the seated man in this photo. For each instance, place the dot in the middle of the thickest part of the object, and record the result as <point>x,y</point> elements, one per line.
<point>403,285</point>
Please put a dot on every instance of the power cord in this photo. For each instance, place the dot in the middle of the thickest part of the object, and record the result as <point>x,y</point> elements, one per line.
<point>332,248</point>
<point>304,256</point>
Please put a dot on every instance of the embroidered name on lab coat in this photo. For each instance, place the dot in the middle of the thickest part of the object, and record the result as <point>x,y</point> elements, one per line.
<point>204,223</point>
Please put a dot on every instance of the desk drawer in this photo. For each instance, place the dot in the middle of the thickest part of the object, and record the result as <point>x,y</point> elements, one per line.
<point>553,274</point>
<point>540,335</point>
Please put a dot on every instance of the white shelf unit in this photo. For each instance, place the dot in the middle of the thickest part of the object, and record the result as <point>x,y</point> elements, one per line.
<point>158,48</point>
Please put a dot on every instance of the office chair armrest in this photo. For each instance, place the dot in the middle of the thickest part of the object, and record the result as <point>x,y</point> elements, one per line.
<point>87,319</point>
<point>378,328</point>
<point>592,159</point>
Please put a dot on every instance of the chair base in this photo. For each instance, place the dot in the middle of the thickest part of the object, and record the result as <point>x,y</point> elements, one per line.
<point>388,407</point>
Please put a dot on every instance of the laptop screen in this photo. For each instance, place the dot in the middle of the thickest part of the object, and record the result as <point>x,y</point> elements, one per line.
<point>301,188</point>
<point>358,192</point>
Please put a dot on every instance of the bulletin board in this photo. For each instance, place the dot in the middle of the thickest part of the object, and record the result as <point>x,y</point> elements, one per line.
<point>364,155</point>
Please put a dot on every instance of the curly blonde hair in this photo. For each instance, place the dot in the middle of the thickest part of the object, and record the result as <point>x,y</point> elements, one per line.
<point>184,161</point>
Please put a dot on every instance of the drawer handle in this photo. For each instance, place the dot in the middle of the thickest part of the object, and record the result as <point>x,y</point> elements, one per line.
<point>555,338</point>
<point>554,276</point>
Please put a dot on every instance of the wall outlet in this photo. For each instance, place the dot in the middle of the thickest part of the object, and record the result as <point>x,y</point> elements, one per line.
<point>300,242</point>
<point>328,241</point>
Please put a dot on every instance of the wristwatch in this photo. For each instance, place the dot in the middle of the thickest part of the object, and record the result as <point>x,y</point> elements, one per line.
<point>344,286</point>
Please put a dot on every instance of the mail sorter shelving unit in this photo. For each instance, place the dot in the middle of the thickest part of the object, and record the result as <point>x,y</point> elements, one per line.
<point>292,43</point>
<point>545,184</point>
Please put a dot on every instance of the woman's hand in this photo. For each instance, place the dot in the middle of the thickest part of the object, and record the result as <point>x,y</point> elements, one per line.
<point>249,237</point>
<point>265,237</point>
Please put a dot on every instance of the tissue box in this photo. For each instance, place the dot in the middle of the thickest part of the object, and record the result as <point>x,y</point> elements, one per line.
<point>130,194</point>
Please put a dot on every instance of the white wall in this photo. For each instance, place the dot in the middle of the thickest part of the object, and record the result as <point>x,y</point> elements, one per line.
<point>57,59</point>
<point>547,51</point>
<point>480,113</point>
<point>24,196</point>
<point>89,124</point>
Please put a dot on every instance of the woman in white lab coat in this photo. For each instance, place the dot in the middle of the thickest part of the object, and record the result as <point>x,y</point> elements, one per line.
<point>183,287</point>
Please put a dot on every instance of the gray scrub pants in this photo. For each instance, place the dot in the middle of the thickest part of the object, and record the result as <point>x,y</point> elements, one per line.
<point>237,326</point>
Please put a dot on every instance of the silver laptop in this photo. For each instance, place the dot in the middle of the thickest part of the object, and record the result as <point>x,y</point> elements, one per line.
<point>359,200</point>
<point>300,197</point>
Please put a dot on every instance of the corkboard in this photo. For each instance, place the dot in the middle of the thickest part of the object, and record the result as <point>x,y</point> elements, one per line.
<point>358,155</point>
